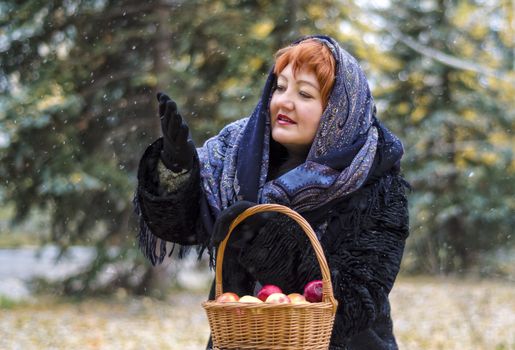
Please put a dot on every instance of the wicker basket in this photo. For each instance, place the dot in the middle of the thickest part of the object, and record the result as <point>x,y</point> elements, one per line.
<point>272,326</point>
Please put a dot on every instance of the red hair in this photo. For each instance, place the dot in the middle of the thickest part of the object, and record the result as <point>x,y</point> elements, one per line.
<point>312,55</point>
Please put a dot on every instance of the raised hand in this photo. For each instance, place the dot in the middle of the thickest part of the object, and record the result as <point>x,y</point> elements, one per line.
<point>178,150</point>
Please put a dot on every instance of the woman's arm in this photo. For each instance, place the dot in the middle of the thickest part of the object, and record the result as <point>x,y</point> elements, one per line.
<point>167,212</point>
<point>168,196</point>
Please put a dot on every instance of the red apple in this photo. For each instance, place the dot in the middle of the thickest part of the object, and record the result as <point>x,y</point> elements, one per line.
<point>266,290</point>
<point>297,298</point>
<point>313,291</point>
<point>249,299</point>
<point>227,297</point>
<point>278,298</point>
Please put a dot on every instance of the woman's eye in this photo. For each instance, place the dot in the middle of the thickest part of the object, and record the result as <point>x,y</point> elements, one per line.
<point>305,94</point>
<point>280,88</point>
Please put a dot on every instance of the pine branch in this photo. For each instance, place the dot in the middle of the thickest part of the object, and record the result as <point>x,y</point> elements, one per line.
<point>446,59</point>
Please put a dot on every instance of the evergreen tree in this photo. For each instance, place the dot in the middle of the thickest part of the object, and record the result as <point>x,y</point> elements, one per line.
<point>452,99</point>
<point>78,81</point>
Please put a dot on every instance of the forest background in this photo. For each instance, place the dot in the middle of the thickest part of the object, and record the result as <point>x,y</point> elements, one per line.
<point>77,108</point>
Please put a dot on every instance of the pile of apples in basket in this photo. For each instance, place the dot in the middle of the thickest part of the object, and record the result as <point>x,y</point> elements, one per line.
<point>272,294</point>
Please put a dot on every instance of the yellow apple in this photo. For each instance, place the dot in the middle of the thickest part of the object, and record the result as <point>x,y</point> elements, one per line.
<point>297,298</point>
<point>249,299</point>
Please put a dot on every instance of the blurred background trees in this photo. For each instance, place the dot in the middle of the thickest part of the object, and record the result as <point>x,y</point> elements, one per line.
<point>77,108</point>
<point>452,95</point>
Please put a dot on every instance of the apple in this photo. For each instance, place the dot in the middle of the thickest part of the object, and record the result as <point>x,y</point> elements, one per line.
<point>249,299</point>
<point>313,291</point>
<point>227,297</point>
<point>278,298</point>
<point>266,290</point>
<point>297,298</point>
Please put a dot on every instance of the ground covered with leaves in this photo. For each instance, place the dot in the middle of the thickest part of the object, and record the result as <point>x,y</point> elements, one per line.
<point>429,314</point>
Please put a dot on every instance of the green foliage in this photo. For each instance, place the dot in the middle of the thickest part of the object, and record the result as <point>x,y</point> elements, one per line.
<point>77,106</point>
<point>78,82</point>
<point>8,303</point>
<point>457,122</point>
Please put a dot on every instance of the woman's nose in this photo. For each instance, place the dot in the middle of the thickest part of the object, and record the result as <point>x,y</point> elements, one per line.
<point>285,101</point>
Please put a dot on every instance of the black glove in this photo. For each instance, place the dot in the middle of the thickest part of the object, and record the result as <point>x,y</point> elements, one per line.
<point>178,150</point>
<point>245,232</point>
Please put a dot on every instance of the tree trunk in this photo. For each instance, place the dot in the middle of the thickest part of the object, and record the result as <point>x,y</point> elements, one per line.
<point>162,56</point>
<point>156,279</point>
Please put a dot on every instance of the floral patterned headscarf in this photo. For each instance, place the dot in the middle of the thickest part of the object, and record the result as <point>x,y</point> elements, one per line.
<point>234,164</point>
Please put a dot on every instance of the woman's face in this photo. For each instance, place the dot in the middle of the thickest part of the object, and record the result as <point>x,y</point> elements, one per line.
<point>296,109</point>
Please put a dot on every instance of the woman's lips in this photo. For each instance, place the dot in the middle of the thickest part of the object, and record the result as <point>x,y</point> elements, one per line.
<point>284,120</point>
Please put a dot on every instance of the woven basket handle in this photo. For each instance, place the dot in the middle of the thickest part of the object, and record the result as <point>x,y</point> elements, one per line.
<point>327,289</point>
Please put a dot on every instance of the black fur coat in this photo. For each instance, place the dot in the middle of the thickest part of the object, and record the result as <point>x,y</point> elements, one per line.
<point>363,244</point>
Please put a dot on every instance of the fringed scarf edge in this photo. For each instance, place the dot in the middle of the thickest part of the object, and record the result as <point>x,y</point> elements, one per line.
<point>154,248</point>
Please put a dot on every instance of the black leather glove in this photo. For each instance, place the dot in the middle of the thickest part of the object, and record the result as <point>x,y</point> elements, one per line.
<point>245,232</point>
<point>178,150</point>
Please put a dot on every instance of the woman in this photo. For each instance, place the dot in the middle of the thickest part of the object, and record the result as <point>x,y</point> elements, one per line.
<point>314,144</point>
